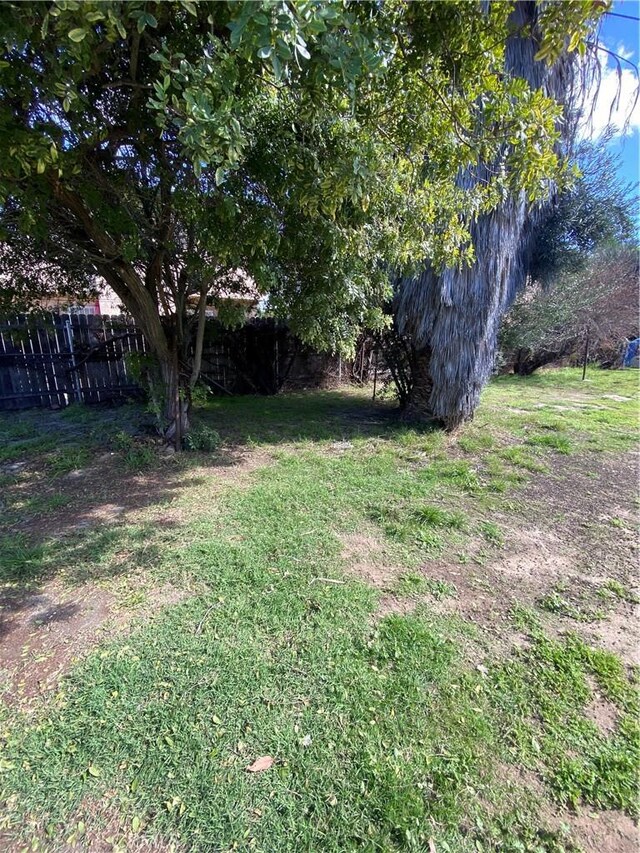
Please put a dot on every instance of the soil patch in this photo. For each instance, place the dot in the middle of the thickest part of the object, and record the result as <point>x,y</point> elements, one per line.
<point>365,557</point>
<point>604,831</point>
<point>46,625</point>
<point>43,634</point>
<point>565,541</point>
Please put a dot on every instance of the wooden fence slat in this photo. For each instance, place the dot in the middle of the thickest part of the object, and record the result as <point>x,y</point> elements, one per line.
<point>84,358</point>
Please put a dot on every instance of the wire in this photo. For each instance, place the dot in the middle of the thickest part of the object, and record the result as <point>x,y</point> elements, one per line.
<point>619,15</point>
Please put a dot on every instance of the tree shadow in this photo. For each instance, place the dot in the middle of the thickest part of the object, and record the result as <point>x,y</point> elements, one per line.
<point>100,526</point>
<point>336,415</point>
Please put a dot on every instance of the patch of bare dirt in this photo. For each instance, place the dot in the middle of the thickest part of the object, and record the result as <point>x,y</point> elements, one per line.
<point>105,828</point>
<point>618,632</point>
<point>577,534</point>
<point>43,633</point>
<point>45,625</point>
<point>364,556</point>
<point>603,714</point>
<point>390,603</point>
<point>604,831</point>
<point>105,492</point>
<point>489,585</point>
<point>588,502</point>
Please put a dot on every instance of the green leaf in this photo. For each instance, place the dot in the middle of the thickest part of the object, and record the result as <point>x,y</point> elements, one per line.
<point>135,823</point>
<point>277,67</point>
<point>220,176</point>
<point>264,52</point>
<point>94,771</point>
<point>190,7</point>
<point>78,34</point>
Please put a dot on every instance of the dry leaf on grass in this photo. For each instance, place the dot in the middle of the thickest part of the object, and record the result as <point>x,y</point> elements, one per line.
<point>260,764</point>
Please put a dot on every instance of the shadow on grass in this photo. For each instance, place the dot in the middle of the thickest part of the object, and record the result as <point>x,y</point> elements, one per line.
<point>83,526</point>
<point>339,415</point>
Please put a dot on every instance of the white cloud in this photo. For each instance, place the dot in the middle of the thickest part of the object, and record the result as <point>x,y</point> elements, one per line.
<point>615,100</point>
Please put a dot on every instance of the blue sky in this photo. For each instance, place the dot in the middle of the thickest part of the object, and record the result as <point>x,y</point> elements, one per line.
<point>622,36</point>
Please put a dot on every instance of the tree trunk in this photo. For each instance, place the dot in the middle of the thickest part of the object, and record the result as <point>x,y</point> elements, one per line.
<point>417,407</point>
<point>177,401</point>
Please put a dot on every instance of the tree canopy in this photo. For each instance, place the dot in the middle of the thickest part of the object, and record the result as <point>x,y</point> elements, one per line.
<point>313,145</point>
<point>599,209</point>
<point>583,268</point>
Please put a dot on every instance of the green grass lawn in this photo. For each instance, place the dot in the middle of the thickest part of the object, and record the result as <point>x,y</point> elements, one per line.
<point>389,730</point>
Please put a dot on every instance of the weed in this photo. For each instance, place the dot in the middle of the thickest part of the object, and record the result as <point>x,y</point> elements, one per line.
<point>558,442</point>
<point>136,454</point>
<point>476,443</point>
<point>613,589</point>
<point>456,472</point>
<point>67,459</point>
<point>523,458</point>
<point>20,559</point>
<point>553,602</point>
<point>440,589</point>
<point>434,516</point>
<point>492,533</point>
<point>410,584</point>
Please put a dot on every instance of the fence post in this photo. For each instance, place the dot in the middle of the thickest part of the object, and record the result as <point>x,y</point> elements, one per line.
<point>74,374</point>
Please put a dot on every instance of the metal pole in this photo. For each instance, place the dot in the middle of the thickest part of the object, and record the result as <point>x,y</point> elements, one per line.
<point>586,356</point>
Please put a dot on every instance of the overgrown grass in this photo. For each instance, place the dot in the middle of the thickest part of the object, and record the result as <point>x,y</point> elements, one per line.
<point>385,733</point>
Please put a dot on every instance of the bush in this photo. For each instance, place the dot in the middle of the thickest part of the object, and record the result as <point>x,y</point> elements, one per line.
<point>202,437</point>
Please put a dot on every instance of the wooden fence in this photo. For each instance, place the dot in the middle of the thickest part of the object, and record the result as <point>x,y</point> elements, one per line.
<point>63,358</point>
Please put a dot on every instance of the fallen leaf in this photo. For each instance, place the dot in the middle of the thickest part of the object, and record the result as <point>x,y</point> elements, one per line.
<point>94,771</point>
<point>482,670</point>
<point>306,740</point>
<point>260,764</point>
<point>432,846</point>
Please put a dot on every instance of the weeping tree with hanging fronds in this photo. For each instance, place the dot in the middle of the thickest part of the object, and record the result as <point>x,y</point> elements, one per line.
<point>450,313</point>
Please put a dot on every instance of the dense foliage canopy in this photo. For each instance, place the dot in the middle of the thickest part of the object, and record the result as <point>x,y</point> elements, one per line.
<point>599,209</point>
<point>313,145</point>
